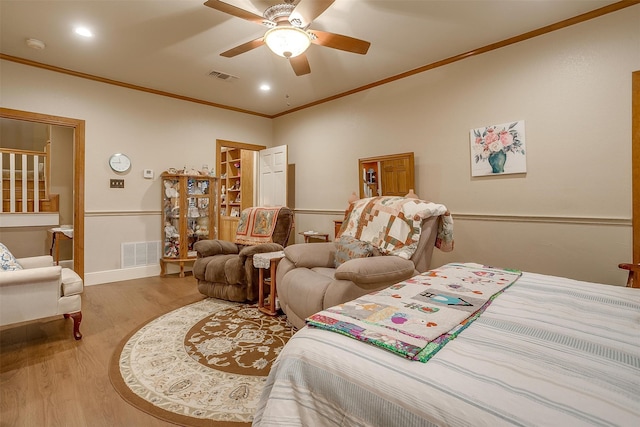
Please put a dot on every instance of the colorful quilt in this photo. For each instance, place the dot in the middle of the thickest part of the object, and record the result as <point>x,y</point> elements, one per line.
<point>256,225</point>
<point>393,224</point>
<point>417,317</point>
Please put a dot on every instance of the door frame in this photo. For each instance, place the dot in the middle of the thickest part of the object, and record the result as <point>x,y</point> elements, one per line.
<point>635,164</point>
<point>220,144</point>
<point>78,172</point>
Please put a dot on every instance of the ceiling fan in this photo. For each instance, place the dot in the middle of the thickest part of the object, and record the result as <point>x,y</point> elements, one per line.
<point>289,34</point>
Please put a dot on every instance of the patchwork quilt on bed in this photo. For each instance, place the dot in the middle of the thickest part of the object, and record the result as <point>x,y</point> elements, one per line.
<point>417,317</point>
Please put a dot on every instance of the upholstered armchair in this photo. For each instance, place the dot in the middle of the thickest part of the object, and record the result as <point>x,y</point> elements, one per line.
<point>40,289</point>
<point>314,276</point>
<point>225,269</point>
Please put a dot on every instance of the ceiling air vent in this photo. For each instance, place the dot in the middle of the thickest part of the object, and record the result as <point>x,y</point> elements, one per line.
<point>222,76</point>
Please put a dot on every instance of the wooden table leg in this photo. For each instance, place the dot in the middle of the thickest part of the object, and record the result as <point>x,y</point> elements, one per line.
<point>261,289</point>
<point>272,295</point>
<point>57,245</point>
<point>53,242</point>
<point>54,251</point>
<point>271,310</point>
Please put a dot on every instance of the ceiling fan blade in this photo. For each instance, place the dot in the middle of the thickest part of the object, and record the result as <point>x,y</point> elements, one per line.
<point>338,41</point>
<point>235,11</point>
<point>245,47</point>
<point>308,10</point>
<point>300,64</point>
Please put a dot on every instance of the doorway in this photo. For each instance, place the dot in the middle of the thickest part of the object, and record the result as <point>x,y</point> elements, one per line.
<point>236,190</point>
<point>78,128</point>
<point>390,175</point>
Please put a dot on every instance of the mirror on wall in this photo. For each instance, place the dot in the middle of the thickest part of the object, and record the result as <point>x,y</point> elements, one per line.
<point>390,175</point>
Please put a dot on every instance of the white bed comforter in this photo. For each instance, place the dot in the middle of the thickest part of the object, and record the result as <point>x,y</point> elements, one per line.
<point>550,351</point>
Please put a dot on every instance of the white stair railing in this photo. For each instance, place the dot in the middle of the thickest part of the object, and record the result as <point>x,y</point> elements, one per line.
<point>23,167</point>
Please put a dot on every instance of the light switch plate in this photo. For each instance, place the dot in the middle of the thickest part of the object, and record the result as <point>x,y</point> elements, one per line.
<point>148,173</point>
<point>116,183</point>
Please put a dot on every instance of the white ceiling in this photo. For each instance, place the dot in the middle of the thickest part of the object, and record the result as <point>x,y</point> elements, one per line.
<point>173,45</point>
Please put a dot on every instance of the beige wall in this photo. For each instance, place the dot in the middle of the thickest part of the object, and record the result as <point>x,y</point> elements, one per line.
<point>156,132</point>
<point>23,135</point>
<point>568,215</point>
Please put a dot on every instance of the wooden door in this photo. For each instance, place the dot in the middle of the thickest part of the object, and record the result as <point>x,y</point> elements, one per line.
<point>397,176</point>
<point>391,175</point>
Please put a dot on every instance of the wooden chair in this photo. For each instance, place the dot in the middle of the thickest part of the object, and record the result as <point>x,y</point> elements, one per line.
<point>634,274</point>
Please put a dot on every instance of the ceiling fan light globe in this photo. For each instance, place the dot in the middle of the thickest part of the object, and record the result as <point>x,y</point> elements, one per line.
<point>287,41</point>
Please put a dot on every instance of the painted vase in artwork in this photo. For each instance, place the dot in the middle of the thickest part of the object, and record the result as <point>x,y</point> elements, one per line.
<point>497,161</point>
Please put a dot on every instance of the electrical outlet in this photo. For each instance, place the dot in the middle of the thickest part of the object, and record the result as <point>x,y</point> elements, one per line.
<point>116,183</point>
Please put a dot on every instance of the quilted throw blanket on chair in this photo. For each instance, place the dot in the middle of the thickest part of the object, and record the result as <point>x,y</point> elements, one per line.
<point>393,224</point>
<point>417,317</point>
<point>256,225</point>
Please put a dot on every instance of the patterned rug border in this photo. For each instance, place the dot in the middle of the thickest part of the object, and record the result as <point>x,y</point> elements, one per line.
<point>118,383</point>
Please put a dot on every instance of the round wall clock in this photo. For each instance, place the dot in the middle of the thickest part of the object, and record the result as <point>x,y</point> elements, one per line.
<point>120,162</point>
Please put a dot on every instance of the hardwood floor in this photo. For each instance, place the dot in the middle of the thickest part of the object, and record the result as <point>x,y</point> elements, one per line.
<point>49,379</point>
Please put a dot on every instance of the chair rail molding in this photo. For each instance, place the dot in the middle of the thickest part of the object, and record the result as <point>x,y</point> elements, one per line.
<point>625,222</point>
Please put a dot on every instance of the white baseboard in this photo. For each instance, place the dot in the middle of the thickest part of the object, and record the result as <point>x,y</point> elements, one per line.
<point>119,275</point>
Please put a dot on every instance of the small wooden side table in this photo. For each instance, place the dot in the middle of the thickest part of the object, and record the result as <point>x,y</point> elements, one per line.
<point>264,261</point>
<point>314,235</point>
<point>337,225</point>
<point>57,234</point>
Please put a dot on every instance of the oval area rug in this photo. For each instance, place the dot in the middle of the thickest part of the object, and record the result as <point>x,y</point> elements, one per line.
<point>204,364</point>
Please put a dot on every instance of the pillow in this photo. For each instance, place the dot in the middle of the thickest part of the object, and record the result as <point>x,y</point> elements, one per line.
<point>388,269</point>
<point>348,247</point>
<point>7,261</point>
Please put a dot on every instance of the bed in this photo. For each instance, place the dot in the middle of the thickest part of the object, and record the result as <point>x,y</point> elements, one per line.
<point>547,351</point>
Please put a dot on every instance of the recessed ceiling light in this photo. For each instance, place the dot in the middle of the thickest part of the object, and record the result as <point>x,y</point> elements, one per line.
<point>265,87</point>
<point>83,31</point>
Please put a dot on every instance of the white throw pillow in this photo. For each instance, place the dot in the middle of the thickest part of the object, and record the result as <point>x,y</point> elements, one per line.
<point>7,261</point>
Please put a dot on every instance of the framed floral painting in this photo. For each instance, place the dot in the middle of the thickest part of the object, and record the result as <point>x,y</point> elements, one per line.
<point>498,149</point>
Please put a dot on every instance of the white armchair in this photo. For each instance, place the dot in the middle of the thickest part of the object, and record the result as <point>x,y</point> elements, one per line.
<point>41,289</point>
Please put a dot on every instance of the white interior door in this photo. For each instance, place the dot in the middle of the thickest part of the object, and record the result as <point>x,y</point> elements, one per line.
<point>273,176</point>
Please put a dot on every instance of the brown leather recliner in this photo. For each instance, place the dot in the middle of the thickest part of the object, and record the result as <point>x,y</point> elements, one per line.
<point>225,269</point>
